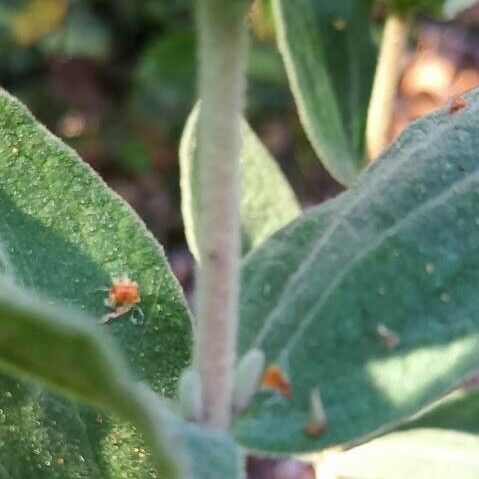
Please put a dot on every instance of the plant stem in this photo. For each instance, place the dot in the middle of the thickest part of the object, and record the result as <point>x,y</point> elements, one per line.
<point>388,72</point>
<point>222,53</point>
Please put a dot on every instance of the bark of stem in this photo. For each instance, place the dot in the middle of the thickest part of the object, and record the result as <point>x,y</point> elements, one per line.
<point>385,85</point>
<point>222,53</point>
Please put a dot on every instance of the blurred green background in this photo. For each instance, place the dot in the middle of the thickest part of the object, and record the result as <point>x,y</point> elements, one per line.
<point>116,80</point>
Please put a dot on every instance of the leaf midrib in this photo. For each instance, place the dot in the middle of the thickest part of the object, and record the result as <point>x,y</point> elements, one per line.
<point>275,314</point>
<point>456,188</point>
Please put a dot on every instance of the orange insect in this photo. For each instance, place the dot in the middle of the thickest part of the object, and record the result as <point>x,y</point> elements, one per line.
<point>457,103</point>
<point>123,296</point>
<point>275,378</point>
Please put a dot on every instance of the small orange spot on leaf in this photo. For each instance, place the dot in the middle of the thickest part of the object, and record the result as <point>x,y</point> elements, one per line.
<point>124,292</point>
<point>275,378</point>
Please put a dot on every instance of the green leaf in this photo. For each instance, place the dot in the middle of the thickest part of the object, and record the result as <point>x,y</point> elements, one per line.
<point>64,234</point>
<point>329,57</point>
<point>400,249</point>
<point>267,200</point>
<point>442,442</point>
<point>66,352</point>
<point>35,336</point>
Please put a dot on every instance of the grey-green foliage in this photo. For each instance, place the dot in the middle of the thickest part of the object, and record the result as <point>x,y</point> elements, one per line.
<point>64,234</point>
<point>65,351</point>
<point>329,57</point>
<point>211,454</point>
<point>200,452</point>
<point>267,200</point>
<point>401,248</point>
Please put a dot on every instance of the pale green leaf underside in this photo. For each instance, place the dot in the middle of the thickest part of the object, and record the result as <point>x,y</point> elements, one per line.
<point>400,248</point>
<point>267,200</point>
<point>64,234</point>
<point>442,443</point>
<point>329,58</point>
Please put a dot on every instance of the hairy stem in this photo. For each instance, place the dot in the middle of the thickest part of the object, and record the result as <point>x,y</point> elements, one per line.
<point>386,81</point>
<point>223,47</point>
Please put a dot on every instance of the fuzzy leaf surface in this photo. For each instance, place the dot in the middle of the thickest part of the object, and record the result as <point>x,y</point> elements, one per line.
<point>400,249</point>
<point>34,336</point>
<point>66,352</point>
<point>329,58</point>
<point>65,235</point>
<point>267,200</point>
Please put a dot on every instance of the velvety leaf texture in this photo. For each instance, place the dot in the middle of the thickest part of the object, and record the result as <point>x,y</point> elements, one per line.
<point>267,200</point>
<point>400,250</point>
<point>34,336</point>
<point>66,352</point>
<point>329,58</point>
<point>64,234</point>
